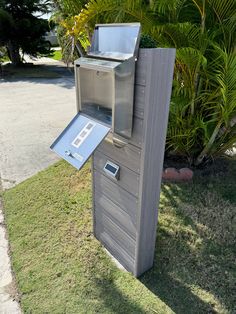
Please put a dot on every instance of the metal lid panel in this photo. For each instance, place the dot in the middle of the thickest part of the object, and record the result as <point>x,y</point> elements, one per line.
<point>79,140</point>
<point>115,41</point>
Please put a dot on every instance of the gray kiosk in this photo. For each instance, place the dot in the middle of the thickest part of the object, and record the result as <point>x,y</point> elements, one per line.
<point>123,96</point>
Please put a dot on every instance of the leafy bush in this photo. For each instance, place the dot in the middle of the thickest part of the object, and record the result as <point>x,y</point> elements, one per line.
<point>146,41</point>
<point>202,122</point>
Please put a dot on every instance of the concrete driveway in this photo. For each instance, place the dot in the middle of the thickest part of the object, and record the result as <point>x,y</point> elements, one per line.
<point>32,113</point>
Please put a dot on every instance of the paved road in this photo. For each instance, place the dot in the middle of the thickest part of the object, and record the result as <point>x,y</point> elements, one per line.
<point>32,114</point>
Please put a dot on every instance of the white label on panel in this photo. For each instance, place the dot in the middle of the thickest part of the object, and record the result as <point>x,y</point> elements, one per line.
<point>78,157</point>
<point>83,134</point>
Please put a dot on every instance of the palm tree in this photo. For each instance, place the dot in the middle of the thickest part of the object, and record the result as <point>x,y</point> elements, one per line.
<point>202,120</point>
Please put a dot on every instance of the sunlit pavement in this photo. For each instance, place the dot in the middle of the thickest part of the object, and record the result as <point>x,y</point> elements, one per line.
<point>33,113</point>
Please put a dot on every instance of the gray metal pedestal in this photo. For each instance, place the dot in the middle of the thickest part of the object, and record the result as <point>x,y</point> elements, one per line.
<point>125,211</point>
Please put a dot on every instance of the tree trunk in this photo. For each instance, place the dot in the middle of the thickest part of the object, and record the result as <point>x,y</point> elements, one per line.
<point>14,53</point>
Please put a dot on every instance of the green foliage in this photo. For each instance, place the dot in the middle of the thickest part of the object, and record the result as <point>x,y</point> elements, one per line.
<point>202,121</point>
<point>6,23</point>
<point>57,55</point>
<point>146,41</point>
<point>3,54</point>
<point>21,29</point>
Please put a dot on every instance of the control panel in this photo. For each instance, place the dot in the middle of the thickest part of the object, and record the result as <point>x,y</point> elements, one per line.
<point>112,170</point>
<point>79,140</point>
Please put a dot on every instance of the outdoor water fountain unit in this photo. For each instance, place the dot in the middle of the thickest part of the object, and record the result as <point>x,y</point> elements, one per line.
<point>123,96</point>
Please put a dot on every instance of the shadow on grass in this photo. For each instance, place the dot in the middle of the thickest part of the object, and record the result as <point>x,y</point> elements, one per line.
<point>194,264</point>
<point>172,275</point>
<point>174,294</point>
<point>114,301</point>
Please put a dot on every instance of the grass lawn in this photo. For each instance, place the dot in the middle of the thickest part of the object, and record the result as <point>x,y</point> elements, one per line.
<point>56,55</point>
<point>61,268</point>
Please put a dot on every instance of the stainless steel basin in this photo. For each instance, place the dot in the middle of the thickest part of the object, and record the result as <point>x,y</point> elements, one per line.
<point>105,78</point>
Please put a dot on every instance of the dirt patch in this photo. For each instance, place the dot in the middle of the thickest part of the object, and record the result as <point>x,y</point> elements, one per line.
<point>216,167</point>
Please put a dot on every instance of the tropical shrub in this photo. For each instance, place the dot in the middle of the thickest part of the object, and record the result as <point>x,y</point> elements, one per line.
<point>202,122</point>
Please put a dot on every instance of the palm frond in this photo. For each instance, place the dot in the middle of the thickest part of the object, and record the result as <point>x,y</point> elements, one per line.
<point>224,9</point>
<point>203,31</point>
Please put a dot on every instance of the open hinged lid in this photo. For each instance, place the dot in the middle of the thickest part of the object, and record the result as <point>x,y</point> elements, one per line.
<point>115,41</point>
<point>79,140</point>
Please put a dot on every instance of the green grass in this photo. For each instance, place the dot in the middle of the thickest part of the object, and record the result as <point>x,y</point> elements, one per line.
<point>61,268</point>
<point>56,55</point>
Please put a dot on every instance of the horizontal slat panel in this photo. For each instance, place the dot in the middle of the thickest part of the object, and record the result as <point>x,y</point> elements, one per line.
<point>128,156</point>
<point>112,191</point>
<point>115,249</point>
<point>121,237</point>
<point>123,219</point>
<point>128,179</point>
<point>139,100</point>
<point>141,69</point>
